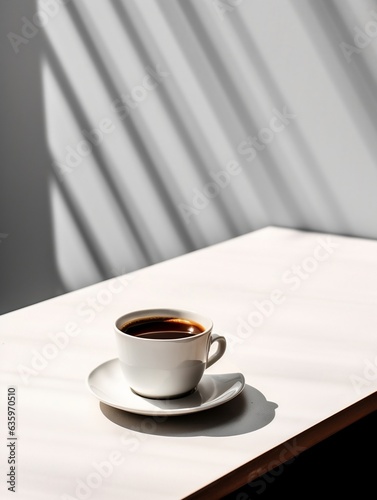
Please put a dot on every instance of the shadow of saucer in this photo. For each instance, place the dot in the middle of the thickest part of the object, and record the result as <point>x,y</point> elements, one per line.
<point>247,412</point>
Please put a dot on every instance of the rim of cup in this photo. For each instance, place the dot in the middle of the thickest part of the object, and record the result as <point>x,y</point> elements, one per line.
<point>168,313</point>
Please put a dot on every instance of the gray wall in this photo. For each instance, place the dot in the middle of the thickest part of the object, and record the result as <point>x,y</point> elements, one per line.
<point>27,253</point>
<point>212,119</point>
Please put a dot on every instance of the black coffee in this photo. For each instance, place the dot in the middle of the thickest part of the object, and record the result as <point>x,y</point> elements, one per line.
<point>162,328</point>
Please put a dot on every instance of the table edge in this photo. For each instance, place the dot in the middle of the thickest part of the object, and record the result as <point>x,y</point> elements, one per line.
<point>273,458</point>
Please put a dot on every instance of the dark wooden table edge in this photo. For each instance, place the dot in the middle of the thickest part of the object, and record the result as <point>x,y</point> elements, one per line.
<point>286,451</point>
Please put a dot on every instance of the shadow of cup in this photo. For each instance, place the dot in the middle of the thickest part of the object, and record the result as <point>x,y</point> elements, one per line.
<point>247,412</point>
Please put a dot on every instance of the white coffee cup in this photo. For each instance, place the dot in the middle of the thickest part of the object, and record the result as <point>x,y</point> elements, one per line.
<point>163,368</point>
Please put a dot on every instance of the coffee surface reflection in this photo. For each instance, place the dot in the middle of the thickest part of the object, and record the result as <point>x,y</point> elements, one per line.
<point>162,328</point>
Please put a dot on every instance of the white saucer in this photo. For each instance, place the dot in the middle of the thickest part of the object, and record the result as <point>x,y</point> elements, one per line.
<point>108,384</point>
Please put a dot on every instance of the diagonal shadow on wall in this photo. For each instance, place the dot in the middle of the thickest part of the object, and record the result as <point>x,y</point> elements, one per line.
<point>276,179</point>
<point>308,163</point>
<point>179,114</point>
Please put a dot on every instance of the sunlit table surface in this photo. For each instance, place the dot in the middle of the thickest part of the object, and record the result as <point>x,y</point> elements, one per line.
<point>298,310</point>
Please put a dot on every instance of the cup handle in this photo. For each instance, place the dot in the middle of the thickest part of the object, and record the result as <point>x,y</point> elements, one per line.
<point>221,346</point>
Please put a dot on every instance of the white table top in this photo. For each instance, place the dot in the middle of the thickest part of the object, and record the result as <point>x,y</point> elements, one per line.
<point>307,357</point>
